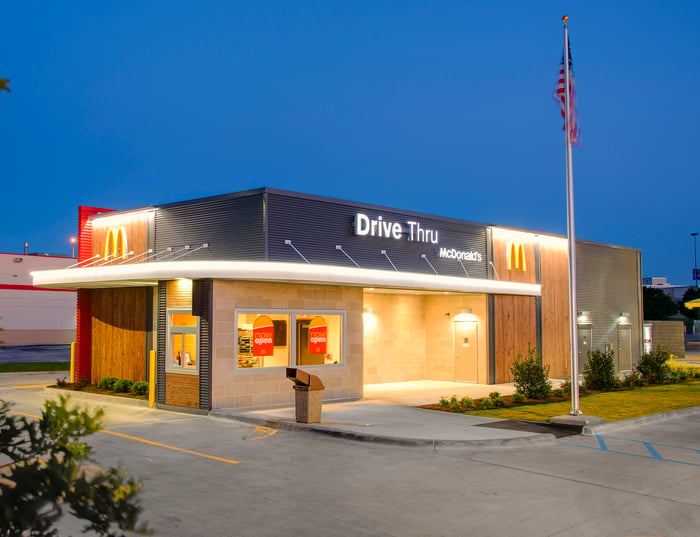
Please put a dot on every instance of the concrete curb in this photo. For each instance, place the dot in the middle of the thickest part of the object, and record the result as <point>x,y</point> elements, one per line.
<point>526,440</point>
<point>641,420</point>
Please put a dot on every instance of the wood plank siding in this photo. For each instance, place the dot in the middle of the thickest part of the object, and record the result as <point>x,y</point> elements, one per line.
<point>119,330</point>
<point>555,307</point>
<point>135,237</point>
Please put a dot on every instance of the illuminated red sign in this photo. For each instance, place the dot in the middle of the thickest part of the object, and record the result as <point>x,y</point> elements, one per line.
<point>263,336</point>
<point>318,334</point>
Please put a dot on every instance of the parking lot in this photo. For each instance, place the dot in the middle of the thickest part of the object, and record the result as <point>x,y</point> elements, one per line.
<point>221,477</point>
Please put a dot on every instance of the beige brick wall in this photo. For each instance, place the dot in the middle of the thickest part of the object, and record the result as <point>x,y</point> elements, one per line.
<point>234,388</point>
<point>413,338</point>
<point>668,334</point>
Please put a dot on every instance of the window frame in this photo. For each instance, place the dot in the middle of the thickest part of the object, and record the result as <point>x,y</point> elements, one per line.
<point>179,329</point>
<point>293,313</point>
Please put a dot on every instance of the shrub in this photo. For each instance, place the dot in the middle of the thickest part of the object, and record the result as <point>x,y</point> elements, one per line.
<point>653,366</point>
<point>599,371</point>
<point>633,378</point>
<point>530,376</point>
<point>468,403</point>
<point>61,381</point>
<point>494,395</point>
<point>123,385</point>
<point>558,393</point>
<point>497,401</point>
<point>486,404</point>
<point>444,402</point>
<point>455,404</point>
<point>140,388</point>
<point>106,383</point>
<point>518,398</point>
<point>566,387</point>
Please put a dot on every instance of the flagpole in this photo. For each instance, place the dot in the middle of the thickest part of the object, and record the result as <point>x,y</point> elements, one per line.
<point>575,410</point>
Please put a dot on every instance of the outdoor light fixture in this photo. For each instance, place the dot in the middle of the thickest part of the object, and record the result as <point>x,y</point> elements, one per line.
<point>369,320</point>
<point>583,317</point>
<point>465,315</point>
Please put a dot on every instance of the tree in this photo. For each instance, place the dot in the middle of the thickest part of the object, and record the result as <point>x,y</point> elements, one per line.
<point>658,306</point>
<point>45,475</point>
<point>691,294</point>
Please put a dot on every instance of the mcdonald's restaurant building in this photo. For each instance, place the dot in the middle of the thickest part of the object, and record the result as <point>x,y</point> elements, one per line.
<point>230,290</point>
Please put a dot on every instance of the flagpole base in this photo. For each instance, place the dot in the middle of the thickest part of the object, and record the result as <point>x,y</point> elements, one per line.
<point>577,421</point>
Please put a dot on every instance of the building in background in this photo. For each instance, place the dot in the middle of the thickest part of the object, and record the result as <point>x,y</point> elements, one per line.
<point>676,292</point>
<point>230,290</point>
<point>30,315</point>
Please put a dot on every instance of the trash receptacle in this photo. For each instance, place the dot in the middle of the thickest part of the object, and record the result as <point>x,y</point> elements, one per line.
<point>308,395</point>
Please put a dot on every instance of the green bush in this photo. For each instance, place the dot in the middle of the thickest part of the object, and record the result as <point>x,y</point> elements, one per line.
<point>486,404</point>
<point>468,403</point>
<point>444,402</point>
<point>518,398</point>
<point>140,388</point>
<point>599,371</point>
<point>455,404</point>
<point>123,385</point>
<point>497,401</point>
<point>494,395</point>
<point>566,387</point>
<point>530,376</point>
<point>106,383</point>
<point>558,393</point>
<point>653,366</point>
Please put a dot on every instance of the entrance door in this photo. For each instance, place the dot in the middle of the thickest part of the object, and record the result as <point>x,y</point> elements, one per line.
<point>466,335</point>
<point>584,344</point>
<point>624,346</point>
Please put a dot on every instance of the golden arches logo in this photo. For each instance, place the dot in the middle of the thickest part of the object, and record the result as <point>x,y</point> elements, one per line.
<point>515,256</point>
<point>116,244</point>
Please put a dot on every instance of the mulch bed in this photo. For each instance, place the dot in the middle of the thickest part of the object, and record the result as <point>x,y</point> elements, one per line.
<point>92,388</point>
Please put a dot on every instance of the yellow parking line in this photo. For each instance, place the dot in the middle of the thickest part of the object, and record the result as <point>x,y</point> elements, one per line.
<point>166,446</point>
<point>27,386</point>
<point>149,442</point>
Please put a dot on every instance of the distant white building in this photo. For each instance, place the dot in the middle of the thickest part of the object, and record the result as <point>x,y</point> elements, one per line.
<point>30,315</point>
<point>676,292</point>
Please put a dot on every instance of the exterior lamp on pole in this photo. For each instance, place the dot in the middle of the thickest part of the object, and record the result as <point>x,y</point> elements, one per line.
<point>73,240</point>
<point>696,276</point>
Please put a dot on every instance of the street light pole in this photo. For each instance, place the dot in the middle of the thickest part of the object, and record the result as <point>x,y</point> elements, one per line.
<point>695,254</point>
<point>73,240</point>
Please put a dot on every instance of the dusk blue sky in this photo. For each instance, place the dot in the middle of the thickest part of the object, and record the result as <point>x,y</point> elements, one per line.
<point>438,107</point>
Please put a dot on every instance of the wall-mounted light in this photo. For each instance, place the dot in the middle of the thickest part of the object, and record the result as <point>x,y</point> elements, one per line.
<point>369,320</point>
<point>465,314</point>
<point>624,318</point>
<point>583,317</point>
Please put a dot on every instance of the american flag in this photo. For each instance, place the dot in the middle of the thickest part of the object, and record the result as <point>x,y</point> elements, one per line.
<point>560,95</point>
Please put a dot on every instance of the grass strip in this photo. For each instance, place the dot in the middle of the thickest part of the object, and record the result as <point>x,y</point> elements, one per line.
<point>32,367</point>
<point>613,406</point>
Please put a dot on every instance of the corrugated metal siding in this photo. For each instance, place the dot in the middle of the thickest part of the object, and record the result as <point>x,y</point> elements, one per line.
<point>233,228</point>
<point>161,342</point>
<point>205,303</point>
<point>608,283</point>
<point>315,227</point>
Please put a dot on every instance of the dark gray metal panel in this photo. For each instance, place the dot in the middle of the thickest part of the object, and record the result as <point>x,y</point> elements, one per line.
<point>205,300</point>
<point>608,282</point>
<point>231,226</point>
<point>161,342</point>
<point>316,226</point>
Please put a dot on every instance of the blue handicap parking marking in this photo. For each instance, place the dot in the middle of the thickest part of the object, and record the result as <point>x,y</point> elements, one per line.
<point>638,448</point>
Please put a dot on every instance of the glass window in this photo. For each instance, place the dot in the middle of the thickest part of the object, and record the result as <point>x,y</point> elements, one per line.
<point>272,339</point>
<point>183,344</point>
